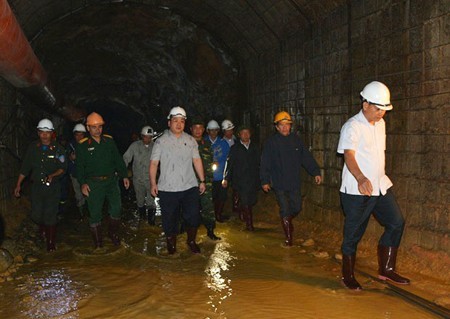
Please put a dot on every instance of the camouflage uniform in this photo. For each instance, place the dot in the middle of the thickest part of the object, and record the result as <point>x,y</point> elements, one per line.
<point>206,202</point>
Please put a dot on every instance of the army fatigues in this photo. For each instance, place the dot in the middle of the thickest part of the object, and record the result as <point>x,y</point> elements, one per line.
<point>43,160</point>
<point>206,202</point>
<point>100,165</point>
<point>140,154</point>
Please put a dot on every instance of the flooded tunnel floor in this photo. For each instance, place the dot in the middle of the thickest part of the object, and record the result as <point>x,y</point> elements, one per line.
<point>245,275</point>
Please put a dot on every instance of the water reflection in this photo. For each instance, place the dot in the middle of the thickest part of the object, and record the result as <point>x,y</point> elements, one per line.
<point>50,294</point>
<point>245,275</point>
<point>216,278</point>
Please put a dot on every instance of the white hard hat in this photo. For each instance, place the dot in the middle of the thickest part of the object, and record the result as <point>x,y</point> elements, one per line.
<point>79,128</point>
<point>212,125</point>
<point>378,94</point>
<point>45,125</point>
<point>227,125</point>
<point>177,111</point>
<point>147,130</point>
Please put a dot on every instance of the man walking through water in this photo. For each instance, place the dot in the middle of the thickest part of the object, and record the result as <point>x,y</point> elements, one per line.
<point>283,156</point>
<point>99,166</point>
<point>177,186</point>
<point>365,188</point>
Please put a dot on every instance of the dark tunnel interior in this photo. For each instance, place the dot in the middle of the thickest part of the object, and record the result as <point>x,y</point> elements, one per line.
<point>132,63</point>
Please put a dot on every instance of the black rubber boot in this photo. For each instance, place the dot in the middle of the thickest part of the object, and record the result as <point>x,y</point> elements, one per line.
<point>171,244</point>
<point>348,276</point>
<point>218,211</point>
<point>387,258</point>
<point>96,233</point>
<point>41,232</point>
<point>151,216</point>
<point>236,203</point>
<point>113,231</point>
<point>210,233</point>
<point>248,217</point>
<point>191,234</point>
<point>50,234</point>
<point>142,212</point>
<point>288,229</point>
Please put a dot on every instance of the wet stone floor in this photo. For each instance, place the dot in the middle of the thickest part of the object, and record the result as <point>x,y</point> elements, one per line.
<point>244,275</point>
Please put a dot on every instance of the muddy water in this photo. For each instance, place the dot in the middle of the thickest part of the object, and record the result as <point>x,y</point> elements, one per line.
<point>245,275</point>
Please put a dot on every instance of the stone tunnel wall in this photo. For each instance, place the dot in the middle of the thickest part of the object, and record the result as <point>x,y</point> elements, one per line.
<point>317,77</point>
<point>9,165</point>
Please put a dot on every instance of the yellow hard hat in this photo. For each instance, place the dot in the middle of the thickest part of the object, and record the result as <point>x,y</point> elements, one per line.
<point>94,119</point>
<point>282,116</point>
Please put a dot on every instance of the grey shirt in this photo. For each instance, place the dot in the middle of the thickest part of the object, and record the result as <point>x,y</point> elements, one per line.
<point>175,156</point>
<point>139,153</point>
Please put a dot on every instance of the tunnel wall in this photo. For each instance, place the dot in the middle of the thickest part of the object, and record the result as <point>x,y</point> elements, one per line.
<point>317,76</point>
<point>9,165</point>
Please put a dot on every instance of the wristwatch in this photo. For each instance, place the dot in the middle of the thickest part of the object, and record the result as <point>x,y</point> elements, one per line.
<point>202,182</point>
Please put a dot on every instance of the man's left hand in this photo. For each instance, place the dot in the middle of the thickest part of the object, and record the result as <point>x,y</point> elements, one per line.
<point>202,188</point>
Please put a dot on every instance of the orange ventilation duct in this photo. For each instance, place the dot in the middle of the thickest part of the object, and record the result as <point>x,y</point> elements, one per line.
<point>18,63</point>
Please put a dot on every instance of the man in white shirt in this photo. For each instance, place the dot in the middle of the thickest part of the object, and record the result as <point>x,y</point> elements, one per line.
<point>365,188</point>
<point>176,152</point>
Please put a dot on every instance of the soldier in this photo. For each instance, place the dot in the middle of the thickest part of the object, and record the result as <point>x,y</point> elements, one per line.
<point>177,186</point>
<point>139,152</point>
<point>206,203</point>
<point>99,165</point>
<point>45,160</point>
<point>79,132</point>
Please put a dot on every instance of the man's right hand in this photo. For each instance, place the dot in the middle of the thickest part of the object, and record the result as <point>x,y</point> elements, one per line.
<point>17,191</point>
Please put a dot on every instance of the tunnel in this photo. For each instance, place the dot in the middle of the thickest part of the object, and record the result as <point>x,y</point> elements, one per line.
<point>243,60</point>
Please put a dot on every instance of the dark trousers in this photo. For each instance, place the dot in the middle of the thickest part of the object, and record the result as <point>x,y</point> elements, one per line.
<point>218,192</point>
<point>290,202</point>
<point>357,211</point>
<point>171,202</point>
<point>44,203</point>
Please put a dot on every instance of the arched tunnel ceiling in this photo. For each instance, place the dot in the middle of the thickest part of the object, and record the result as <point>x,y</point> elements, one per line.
<point>247,27</point>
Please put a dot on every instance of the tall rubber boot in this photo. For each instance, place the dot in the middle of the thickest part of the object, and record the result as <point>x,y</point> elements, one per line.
<point>81,212</point>
<point>96,232</point>
<point>41,232</point>
<point>236,202</point>
<point>50,233</point>
<point>348,276</point>
<point>151,216</point>
<point>218,210</point>
<point>248,216</point>
<point>142,212</point>
<point>288,229</point>
<point>210,233</point>
<point>171,244</point>
<point>191,234</point>
<point>387,259</point>
<point>113,231</point>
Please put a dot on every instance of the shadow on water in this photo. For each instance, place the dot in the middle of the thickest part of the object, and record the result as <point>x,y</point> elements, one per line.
<point>245,275</point>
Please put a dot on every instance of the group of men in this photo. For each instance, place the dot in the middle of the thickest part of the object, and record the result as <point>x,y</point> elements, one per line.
<point>190,175</point>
